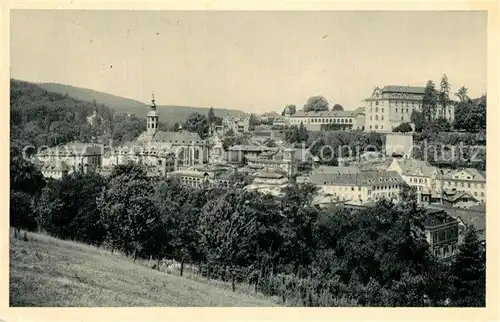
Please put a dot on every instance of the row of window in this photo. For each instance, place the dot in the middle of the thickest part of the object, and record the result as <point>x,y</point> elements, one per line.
<point>331,120</point>
<point>462,184</point>
<point>417,180</point>
<point>376,118</point>
<point>400,103</point>
<point>443,235</point>
<point>376,127</point>
<point>445,251</point>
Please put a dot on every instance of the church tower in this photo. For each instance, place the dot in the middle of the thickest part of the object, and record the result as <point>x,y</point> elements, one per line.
<point>152,118</point>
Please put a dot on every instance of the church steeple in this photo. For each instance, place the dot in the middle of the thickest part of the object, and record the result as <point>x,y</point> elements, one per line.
<point>152,118</point>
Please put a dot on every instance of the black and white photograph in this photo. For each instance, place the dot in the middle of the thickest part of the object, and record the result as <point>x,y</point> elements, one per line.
<point>239,158</point>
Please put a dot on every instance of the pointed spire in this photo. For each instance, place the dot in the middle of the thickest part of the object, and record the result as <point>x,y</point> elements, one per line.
<point>153,101</point>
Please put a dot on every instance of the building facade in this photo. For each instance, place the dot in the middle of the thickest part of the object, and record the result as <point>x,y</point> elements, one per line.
<point>73,157</point>
<point>471,181</point>
<point>392,105</point>
<point>359,188</point>
<point>205,176</point>
<point>160,151</point>
<point>322,120</point>
<point>441,231</point>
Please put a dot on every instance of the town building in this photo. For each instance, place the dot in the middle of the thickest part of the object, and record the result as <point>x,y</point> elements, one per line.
<point>392,105</point>
<point>160,151</point>
<point>205,176</point>
<point>442,233</point>
<point>333,120</point>
<point>73,157</point>
<point>234,124</point>
<point>54,169</point>
<point>470,181</point>
<point>283,159</point>
<point>269,181</point>
<point>359,188</point>
<point>418,174</point>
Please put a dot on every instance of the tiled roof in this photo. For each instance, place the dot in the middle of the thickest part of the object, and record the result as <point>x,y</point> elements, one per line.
<point>368,178</point>
<point>403,89</point>
<point>459,195</point>
<point>476,174</point>
<point>412,167</point>
<point>436,218</point>
<point>177,137</point>
<point>338,170</point>
<point>301,113</point>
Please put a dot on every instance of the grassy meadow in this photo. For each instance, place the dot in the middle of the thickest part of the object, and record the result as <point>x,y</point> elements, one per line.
<point>48,272</point>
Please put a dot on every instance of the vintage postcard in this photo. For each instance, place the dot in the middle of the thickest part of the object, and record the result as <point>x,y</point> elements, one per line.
<point>271,157</point>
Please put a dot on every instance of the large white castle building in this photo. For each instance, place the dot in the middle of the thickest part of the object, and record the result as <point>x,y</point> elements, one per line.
<point>392,105</point>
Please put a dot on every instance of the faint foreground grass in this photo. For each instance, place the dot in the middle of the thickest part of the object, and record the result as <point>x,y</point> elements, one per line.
<point>45,271</point>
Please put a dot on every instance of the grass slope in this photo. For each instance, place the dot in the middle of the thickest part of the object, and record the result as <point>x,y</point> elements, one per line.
<point>168,113</point>
<point>49,272</point>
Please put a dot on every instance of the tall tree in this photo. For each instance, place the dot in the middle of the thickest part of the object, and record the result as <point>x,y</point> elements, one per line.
<point>211,116</point>
<point>444,94</point>
<point>469,273</point>
<point>290,108</point>
<point>197,123</point>
<point>429,101</point>
<point>130,214</point>
<point>462,94</point>
<point>337,107</point>
<point>316,103</point>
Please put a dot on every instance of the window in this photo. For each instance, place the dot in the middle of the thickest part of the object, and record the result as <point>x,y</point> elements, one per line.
<point>382,117</point>
<point>376,127</point>
<point>396,110</point>
<point>376,103</point>
<point>381,127</point>
<point>376,117</point>
<point>401,118</point>
<point>376,109</point>
<point>350,120</point>
<point>370,127</point>
<point>382,110</point>
<point>468,184</point>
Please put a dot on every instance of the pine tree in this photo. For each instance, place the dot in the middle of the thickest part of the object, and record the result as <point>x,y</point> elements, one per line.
<point>469,273</point>
<point>429,101</point>
<point>444,94</point>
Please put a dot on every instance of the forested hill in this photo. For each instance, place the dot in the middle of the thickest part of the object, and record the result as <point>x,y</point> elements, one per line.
<point>40,117</point>
<point>168,113</point>
<point>118,103</point>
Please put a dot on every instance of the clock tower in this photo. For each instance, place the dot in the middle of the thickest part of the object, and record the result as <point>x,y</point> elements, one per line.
<point>152,118</point>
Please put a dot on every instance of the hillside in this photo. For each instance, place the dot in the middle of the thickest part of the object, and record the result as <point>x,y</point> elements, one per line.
<point>49,272</point>
<point>168,113</point>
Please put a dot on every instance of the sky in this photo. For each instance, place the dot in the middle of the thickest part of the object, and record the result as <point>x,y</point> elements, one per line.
<point>255,61</point>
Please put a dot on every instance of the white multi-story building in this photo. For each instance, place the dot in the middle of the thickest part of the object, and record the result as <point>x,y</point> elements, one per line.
<point>392,105</point>
<point>359,188</point>
<point>470,181</point>
<point>318,121</point>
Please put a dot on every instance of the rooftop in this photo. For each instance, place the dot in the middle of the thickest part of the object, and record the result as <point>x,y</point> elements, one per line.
<point>403,89</point>
<point>475,174</point>
<point>301,113</point>
<point>177,137</point>
<point>337,170</point>
<point>416,167</point>
<point>367,178</point>
<point>437,217</point>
